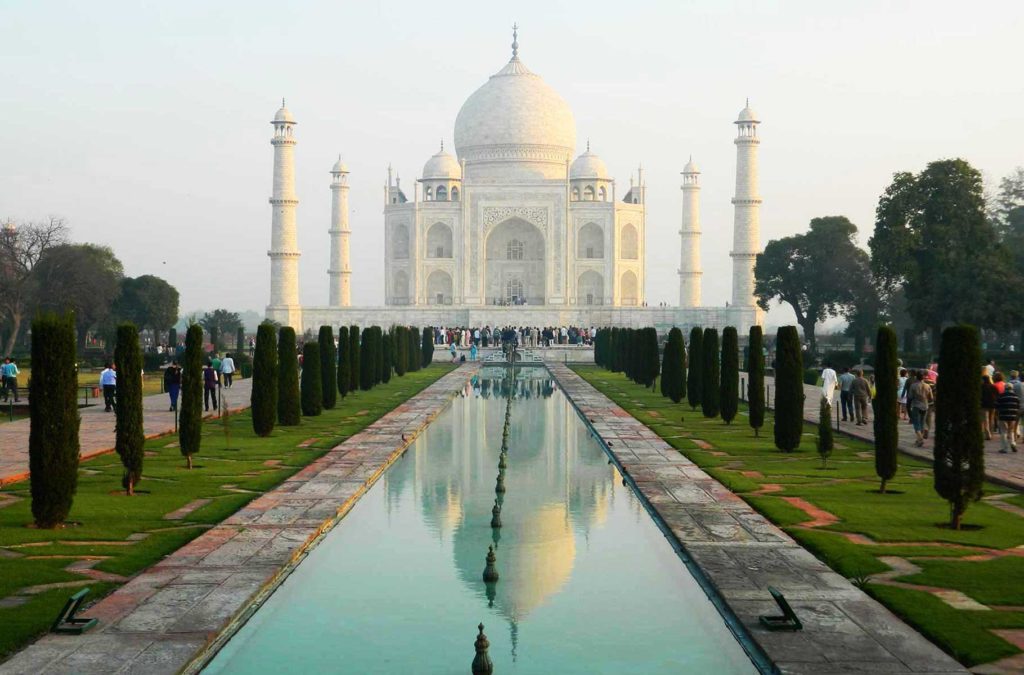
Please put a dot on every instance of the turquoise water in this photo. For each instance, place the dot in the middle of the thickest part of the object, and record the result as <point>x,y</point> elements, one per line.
<point>588,583</point>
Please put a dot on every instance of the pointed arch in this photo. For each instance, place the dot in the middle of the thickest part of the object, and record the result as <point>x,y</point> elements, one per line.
<point>439,241</point>
<point>628,289</point>
<point>590,242</point>
<point>629,243</point>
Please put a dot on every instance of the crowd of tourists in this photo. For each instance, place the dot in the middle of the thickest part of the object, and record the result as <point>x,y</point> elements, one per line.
<point>522,336</point>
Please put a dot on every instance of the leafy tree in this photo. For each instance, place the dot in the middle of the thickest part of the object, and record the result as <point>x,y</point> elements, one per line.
<point>354,354</point>
<point>813,272</point>
<point>21,247</point>
<point>220,322</point>
<point>312,386</point>
<point>730,396</point>
<point>695,382</point>
<point>328,367</point>
<point>289,408</point>
<point>673,367</point>
<point>709,397</point>
<point>428,345</point>
<point>190,424</point>
<point>1010,201</point>
<point>53,445</point>
<point>401,350</point>
<point>149,302</point>
<point>387,356</point>
<point>344,362</point>
<point>129,437</point>
<point>959,467</point>
<point>825,441</point>
<point>886,421</point>
<point>789,389</point>
<point>755,375</point>
<point>264,381</point>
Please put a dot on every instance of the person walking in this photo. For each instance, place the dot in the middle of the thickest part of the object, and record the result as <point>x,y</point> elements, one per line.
<point>919,399</point>
<point>845,395</point>
<point>451,350</point>
<point>1009,415</point>
<point>108,381</point>
<point>227,369</point>
<point>989,404</point>
<point>861,390</point>
<point>9,379</point>
<point>472,352</point>
<point>829,382</point>
<point>172,383</point>
<point>209,386</point>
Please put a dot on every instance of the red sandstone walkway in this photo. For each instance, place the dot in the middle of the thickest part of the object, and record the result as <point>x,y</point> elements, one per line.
<point>97,430</point>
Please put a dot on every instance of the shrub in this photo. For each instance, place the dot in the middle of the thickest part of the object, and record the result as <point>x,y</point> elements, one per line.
<point>673,367</point>
<point>53,445</point>
<point>959,467</point>
<point>428,345</point>
<point>190,424</point>
<point>710,390</point>
<point>695,362</point>
<point>789,389</point>
<point>840,359</point>
<point>129,437</point>
<point>825,442</point>
<point>811,375</point>
<point>264,381</point>
<point>354,348</point>
<point>344,362</point>
<point>328,367</point>
<point>755,374</point>
<point>312,385</point>
<point>730,389</point>
<point>288,407</point>
<point>886,422</point>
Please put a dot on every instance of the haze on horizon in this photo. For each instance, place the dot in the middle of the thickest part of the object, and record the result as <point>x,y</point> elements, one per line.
<point>147,127</point>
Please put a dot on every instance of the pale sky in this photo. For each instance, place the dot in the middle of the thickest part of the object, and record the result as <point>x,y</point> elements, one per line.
<point>146,125</point>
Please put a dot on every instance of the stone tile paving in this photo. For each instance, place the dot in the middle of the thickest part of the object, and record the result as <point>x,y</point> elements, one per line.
<point>162,619</point>
<point>96,433</point>
<point>741,554</point>
<point>1005,469</point>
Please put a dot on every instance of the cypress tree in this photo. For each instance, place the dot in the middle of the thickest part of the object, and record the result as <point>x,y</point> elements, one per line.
<point>378,359</point>
<point>401,347</point>
<point>652,367</point>
<point>730,397</point>
<point>129,437</point>
<point>614,347</point>
<point>632,354</point>
<point>312,385</point>
<point>695,381</point>
<point>344,362</point>
<point>172,340</point>
<point>825,442</point>
<point>387,357</point>
<point>428,345</point>
<point>710,403</point>
<point>328,367</point>
<point>240,340</point>
<point>755,376</point>
<point>366,360</point>
<point>415,354</point>
<point>673,368</point>
<point>959,467</point>
<point>354,348</point>
<point>264,381</point>
<point>214,337</point>
<point>190,423</point>
<point>53,446</point>
<point>789,389</point>
<point>886,421</point>
<point>288,407</point>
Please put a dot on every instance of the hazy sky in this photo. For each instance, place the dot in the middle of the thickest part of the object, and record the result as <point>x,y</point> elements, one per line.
<point>146,124</point>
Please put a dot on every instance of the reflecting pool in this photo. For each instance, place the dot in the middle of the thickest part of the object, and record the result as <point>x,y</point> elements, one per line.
<point>588,583</point>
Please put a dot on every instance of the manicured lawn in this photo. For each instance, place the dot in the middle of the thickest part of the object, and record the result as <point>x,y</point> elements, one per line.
<point>153,383</point>
<point>909,522</point>
<point>106,520</point>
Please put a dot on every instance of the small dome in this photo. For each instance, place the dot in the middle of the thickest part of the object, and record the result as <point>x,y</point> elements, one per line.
<point>588,165</point>
<point>284,115</point>
<point>339,166</point>
<point>442,165</point>
<point>748,114</point>
<point>691,167</point>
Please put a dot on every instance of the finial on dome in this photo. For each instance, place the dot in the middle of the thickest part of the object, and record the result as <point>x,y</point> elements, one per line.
<point>282,101</point>
<point>515,41</point>
<point>748,101</point>
<point>442,145</point>
<point>588,145</point>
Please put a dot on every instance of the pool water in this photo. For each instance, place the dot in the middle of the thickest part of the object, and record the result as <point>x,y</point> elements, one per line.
<point>588,583</point>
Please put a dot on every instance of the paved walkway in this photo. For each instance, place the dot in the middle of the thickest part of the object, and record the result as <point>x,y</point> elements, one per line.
<point>169,616</point>
<point>740,554</point>
<point>97,429</point>
<point>1007,470</point>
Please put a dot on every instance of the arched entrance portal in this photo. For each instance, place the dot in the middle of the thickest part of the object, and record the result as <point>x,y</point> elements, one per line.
<point>439,288</point>
<point>590,289</point>
<point>515,266</point>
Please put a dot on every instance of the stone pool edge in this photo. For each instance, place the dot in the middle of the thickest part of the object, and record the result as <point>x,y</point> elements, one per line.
<point>739,553</point>
<point>175,615</point>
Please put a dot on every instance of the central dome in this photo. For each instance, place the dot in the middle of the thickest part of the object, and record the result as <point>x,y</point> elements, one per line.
<point>515,117</point>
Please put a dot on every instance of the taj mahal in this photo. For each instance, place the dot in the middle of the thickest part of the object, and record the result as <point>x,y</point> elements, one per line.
<point>514,228</point>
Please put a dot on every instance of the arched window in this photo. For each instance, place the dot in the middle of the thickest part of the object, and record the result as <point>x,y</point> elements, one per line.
<point>514,291</point>
<point>629,244</point>
<point>400,242</point>
<point>439,241</point>
<point>588,193</point>
<point>575,194</point>
<point>514,250</point>
<point>603,194</point>
<point>428,193</point>
<point>442,194</point>
<point>455,194</point>
<point>628,289</point>
<point>590,242</point>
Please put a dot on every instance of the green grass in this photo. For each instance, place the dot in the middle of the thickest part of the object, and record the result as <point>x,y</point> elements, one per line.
<point>104,518</point>
<point>909,522</point>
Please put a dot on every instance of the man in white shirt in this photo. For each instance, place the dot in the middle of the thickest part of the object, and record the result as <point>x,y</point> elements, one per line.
<point>227,370</point>
<point>829,382</point>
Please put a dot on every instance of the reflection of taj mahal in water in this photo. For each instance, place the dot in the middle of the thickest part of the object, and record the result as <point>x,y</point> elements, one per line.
<point>513,229</point>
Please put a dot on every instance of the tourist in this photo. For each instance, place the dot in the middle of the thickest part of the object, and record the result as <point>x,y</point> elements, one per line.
<point>845,395</point>
<point>919,399</point>
<point>861,390</point>
<point>215,364</point>
<point>1009,414</point>
<point>451,350</point>
<point>989,405</point>
<point>209,386</point>
<point>227,369</point>
<point>108,381</point>
<point>901,393</point>
<point>990,369</point>
<point>829,382</point>
<point>9,379</point>
<point>472,352</point>
<point>172,383</point>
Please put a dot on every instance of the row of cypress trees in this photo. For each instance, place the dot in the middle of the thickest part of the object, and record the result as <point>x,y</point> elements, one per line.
<point>633,351</point>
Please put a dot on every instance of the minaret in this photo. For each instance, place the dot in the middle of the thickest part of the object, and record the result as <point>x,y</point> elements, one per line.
<point>689,259</point>
<point>746,242</point>
<point>340,273</point>
<point>284,250</point>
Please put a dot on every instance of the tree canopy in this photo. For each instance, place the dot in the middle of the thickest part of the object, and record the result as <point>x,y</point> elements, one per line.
<point>149,302</point>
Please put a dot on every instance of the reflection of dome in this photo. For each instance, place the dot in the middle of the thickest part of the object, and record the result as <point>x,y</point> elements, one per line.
<point>588,165</point>
<point>538,564</point>
<point>442,165</point>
